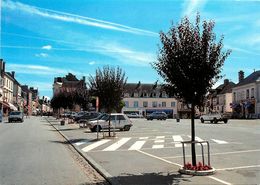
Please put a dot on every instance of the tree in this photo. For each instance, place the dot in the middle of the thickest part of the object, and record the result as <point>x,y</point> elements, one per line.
<point>108,84</point>
<point>190,63</point>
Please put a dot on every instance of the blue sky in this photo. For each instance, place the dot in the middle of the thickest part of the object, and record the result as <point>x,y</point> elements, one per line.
<point>44,39</point>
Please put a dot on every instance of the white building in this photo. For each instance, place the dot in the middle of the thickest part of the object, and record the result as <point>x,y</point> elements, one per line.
<point>246,96</point>
<point>147,98</point>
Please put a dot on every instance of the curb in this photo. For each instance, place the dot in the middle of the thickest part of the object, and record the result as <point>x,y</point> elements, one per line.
<point>197,173</point>
<point>89,159</point>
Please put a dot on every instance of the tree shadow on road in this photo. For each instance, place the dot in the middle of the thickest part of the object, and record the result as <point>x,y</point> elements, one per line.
<point>149,179</point>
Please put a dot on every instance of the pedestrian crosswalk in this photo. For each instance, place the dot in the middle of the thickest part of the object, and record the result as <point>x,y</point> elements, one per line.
<point>135,143</point>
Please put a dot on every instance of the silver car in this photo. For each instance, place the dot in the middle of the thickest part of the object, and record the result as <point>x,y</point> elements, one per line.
<point>15,116</point>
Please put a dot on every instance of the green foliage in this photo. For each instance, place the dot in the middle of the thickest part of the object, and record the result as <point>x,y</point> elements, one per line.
<point>108,85</point>
<point>69,99</point>
<point>189,60</point>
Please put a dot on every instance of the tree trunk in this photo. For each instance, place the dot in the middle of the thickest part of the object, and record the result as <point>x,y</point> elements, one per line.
<point>109,125</point>
<point>193,150</point>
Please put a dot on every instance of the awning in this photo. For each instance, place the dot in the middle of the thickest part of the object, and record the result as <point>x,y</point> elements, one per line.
<point>12,106</point>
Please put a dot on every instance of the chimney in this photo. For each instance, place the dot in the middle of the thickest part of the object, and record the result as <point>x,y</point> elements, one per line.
<point>83,78</point>
<point>240,76</point>
<point>13,73</point>
<point>226,81</point>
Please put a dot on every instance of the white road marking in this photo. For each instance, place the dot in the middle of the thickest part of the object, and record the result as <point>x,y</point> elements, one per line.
<point>177,140</point>
<point>158,146</point>
<point>118,144</point>
<point>81,143</point>
<point>160,137</point>
<point>219,141</point>
<point>159,141</point>
<point>137,145</point>
<point>94,145</point>
<point>224,153</point>
<point>219,180</point>
<point>199,139</point>
<point>143,137</point>
<point>164,160</point>
<point>239,167</point>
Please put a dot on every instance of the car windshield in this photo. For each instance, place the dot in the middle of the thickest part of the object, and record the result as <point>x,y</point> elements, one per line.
<point>15,113</point>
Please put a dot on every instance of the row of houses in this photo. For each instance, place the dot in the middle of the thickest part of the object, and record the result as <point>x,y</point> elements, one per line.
<point>241,99</point>
<point>14,95</point>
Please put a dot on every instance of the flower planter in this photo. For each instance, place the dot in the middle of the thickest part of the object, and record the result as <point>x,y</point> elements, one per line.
<point>62,122</point>
<point>197,173</point>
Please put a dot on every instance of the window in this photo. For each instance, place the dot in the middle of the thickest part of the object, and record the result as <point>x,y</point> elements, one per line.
<point>135,104</point>
<point>154,104</point>
<point>252,93</point>
<point>247,93</point>
<point>120,117</point>
<point>234,97</point>
<point>145,104</point>
<point>163,104</point>
<point>173,104</point>
<point>126,104</point>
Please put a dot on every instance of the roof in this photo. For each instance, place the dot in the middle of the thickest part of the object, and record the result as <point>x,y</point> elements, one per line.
<point>252,78</point>
<point>227,88</point>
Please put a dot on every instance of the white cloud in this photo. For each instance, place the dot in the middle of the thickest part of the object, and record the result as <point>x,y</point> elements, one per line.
<point>92,63</point>
<point>191,7</point>
<point>47,47</point>
<point>44,55</point>
<point>66,17</point>
<point>126,55</point>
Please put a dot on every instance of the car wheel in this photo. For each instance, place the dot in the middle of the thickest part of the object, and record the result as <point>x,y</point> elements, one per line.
<point>211,121</point>
<point>202,120</point>
<point>126,128</point>
<point>225,120</point>
<point>97,128</point>
<point>215,120</point>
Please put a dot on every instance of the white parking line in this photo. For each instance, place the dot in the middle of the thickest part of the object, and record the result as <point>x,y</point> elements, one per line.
<point>159,141</point>
<point>160,137</point>
<point>137,145</point>
<point>158,146</point>
<point>143,137</point>
<point>164,160</point>
<point>177,139</point>
<point>94,145</point>
<point>219,141</point>
<point>118,144</point>
<point>81,143</point>
<point>239,167</point>
<point>199,139</point>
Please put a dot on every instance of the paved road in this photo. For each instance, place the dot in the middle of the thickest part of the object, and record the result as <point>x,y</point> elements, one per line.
<point>33,153</point>
<point>150,153</point>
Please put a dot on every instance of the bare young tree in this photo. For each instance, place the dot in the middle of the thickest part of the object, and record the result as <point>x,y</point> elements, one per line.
<point>190,62</point>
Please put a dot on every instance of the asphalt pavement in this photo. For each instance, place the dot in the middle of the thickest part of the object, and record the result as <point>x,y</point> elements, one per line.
<point>34,153</point>
<point>151,153</point>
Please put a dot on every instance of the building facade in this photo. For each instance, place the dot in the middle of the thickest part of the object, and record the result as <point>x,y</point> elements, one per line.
<point>246,96</point>
<point>147,98</point>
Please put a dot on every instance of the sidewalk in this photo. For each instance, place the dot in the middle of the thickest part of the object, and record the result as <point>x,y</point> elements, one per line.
<point>73,133</point>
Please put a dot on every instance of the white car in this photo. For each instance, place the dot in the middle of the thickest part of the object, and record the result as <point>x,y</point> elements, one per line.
<point>117,121</point>
<point>213,118</point>
<point>134,115</point>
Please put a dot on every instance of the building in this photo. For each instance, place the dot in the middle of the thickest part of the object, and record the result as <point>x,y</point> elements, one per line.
<point>2,71</point>
<point>220,99</point>
<point>27,100</point>
<point>147,98</point>
<point>69,83</point>
<point>246,96</point>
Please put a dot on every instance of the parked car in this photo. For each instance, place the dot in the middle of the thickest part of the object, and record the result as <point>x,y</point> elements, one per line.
<point>87,116</point>
<point>157,115</point>
<point>134,115</point>
<point>15,116</point>
<point>214,118</point>
<point>117,121</point>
